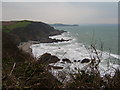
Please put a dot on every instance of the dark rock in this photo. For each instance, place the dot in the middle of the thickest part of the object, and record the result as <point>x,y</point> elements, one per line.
<point>56,32</point>
<point>85,60</point>
<point>75,61</point>
<point>62,62</point>
<point>54,59</point>
<point>79,60</point>
<point>48,58</point>
<point>49,40</point>
<point>66,60</point>
<point>56,67</point>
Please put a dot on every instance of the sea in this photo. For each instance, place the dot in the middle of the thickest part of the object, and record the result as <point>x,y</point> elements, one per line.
<point>103,37</point>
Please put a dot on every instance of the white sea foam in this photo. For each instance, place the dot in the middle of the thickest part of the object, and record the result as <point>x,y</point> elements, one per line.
<point>115,56</point>
<point>65,35</point>
<point>73,51</point>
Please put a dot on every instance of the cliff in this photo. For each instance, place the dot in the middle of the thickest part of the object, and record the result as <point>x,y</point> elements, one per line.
<point>30,30</point>
<point>19,69</point>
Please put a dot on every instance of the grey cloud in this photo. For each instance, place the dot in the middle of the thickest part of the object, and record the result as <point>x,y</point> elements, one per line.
<point>81,13</point>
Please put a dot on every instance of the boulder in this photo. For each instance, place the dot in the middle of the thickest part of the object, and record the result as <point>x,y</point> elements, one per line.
<point>66,60</point>
<point>79,60</point>
<point>86,60</point>
<point>48,58</point>
<point>75,60</point>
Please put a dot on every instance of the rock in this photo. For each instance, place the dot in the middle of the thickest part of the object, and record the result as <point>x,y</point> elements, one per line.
<point>49,40</point>
<point>54,59</point>
<point>56,67</point>
<point>66,60</point>
<point>75,60</point>
<point>56,32</point>
<point>79,60</point>
<point>85,60</point>
<point>62,62</point>
<point>58,40</point>
<point>48,58</point>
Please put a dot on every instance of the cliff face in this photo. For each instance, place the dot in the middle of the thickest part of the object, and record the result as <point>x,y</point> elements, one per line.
<point>15,32</point>
<point>31,73</point>
<point>27,71</point>
<point>29,30</point>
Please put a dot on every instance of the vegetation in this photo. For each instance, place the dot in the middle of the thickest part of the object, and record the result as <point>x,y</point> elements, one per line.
<point>20,70</point>
<point>9,28</point>
<point>84,80</point>
<point>28,75</point>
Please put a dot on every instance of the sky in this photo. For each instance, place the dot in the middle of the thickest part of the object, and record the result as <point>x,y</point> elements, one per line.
<point>62,12</point>
<point>60,0</point>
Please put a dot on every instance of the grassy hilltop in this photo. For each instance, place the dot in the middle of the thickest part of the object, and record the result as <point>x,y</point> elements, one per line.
<point>9,26</point>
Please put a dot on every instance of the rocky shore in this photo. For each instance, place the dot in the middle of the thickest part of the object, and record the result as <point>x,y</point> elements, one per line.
<point>25,33</point>
<point>25,46</point>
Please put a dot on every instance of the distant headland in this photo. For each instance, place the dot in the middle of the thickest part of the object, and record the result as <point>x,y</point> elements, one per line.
<point>59,24</point>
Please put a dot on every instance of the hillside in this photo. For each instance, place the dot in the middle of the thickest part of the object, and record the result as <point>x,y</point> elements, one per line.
<point>20,69</point>
<point>30,30</point>
<point>27,73</point>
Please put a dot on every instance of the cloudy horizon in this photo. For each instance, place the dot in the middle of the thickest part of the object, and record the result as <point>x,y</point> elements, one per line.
<point>62,12</point>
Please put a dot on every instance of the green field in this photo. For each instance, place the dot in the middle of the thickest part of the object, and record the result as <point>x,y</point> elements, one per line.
<point>8,28</point>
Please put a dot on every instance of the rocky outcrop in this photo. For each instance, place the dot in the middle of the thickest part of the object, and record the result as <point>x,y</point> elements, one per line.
<point>49,40</point>
<point>86,60</point>
<point>66,60</point>
<point>75,60</point>
<point>55,67</point>
<point>48,58</point>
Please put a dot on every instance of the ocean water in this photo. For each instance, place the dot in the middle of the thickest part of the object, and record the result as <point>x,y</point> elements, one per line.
<point>78,48</point>
<point>88,34</point>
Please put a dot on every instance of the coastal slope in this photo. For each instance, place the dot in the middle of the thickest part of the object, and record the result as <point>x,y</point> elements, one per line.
<point>30,30</point>
<point>20,69</point>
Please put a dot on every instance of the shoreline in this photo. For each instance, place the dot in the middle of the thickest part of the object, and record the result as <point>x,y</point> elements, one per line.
<point>25,46</point>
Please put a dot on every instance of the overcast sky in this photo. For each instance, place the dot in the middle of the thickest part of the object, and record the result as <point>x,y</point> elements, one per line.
<point>60,0</point>
<point>58,12</point>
